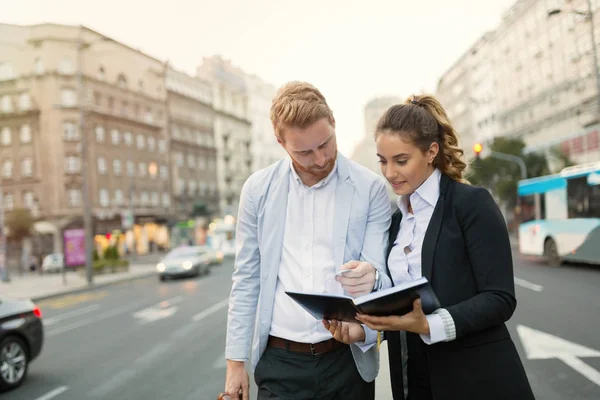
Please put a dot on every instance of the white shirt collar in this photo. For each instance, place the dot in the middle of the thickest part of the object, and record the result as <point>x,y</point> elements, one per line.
<point>426,195</point>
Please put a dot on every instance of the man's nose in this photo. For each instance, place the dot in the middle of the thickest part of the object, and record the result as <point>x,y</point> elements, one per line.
<point>320,158</point>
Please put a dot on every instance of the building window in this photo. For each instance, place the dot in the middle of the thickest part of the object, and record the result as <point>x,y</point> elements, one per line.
<point>180,187</point>
<point>72,164</point>
<point>74,197</point>
<point>101,166</point>
<point>145,199</point>
<point>25,134</point>
<point>6,71</point>
<point>202,163</point>
<point>100,134</point>
<point>191,161</point>
<point>115,136</point>
<point>6,104</point>
<point>151,144</point>
<point>104,198</point>
<point>119,199</point>
<point>179,159</point>
<point>38,66</point>
<point>28,199</point>
<point>122,81</point>
<point>176,132</point>
<point>7,169</point>
<point>148,117</point>
<point>140,142</point>
<point>142,169</point>
<point>192,187</point>
<point>68,97</point>
<point>65,66</point>
<point>130,168</point>
<point>117,168</point>
<point>26,167</point>
<point>9,202</point>
<point>213,188</point>
<point>101,73</point>
<point>6,136</point>
<point>70,131</point>
<point>166,200</point>
<point>128,138</point>
<point>155,199</point>
<point>24,102</point>
<point>164,172</point>
<point>162,146</point>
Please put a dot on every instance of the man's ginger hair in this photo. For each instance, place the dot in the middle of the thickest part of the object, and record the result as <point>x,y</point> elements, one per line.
<point>298,105</point>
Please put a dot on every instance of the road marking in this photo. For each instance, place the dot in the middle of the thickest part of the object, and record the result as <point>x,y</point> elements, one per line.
<point>542,346</point>
<point>95,318</point>
<point>160,310</point>
<point>113,383</point>
<point>210,310</point>
<point>53,393</point>
<point>528,285</point>
<point>71,300</point>
<point>52,320</point>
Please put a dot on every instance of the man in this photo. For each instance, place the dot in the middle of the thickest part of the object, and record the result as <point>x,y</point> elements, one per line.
<point>300,221</point>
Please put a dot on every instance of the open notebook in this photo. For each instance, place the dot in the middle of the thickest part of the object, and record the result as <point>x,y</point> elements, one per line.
<point>397,300</point>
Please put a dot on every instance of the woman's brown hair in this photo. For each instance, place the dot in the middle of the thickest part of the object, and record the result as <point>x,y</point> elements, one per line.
<point>423,121</point>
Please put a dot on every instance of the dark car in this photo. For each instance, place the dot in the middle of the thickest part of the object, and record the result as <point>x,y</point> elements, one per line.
<point>21,340</point>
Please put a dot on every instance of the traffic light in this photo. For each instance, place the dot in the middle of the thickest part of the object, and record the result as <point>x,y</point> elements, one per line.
<point>477,148</point>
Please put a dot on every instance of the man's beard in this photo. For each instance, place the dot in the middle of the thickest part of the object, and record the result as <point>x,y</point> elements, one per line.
<point>318,173</point>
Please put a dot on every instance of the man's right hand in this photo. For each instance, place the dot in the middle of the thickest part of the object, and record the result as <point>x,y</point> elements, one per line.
<point>236,381</point>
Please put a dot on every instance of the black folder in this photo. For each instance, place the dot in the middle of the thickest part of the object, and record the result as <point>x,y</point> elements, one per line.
<point>397,300</point>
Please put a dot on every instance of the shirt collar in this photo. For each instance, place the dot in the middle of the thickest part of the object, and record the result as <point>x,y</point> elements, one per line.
<point>426,195</point>
<point>321,183</point>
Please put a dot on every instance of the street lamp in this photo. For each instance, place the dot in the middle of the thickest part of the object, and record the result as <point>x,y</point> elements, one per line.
<point>589,15</point>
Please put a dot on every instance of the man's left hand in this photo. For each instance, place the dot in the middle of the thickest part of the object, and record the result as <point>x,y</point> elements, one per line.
<point>359,280</point>
<point>345,332</point>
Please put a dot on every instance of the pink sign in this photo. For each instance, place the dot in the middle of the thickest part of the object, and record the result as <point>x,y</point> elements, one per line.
<point>74,247</point>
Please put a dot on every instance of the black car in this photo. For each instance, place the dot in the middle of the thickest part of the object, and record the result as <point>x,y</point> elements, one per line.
<point>21,340</point>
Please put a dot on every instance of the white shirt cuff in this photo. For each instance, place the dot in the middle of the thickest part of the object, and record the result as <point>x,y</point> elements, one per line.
<point>441,327</point>
<point>370,339</point>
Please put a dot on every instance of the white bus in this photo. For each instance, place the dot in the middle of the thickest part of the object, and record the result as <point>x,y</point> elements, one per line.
<point>560,215</point>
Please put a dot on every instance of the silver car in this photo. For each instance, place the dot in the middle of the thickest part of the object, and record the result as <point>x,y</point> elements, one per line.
<point>184,261</point>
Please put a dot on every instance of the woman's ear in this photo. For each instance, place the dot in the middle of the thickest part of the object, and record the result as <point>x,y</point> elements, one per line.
<point>433,151</point>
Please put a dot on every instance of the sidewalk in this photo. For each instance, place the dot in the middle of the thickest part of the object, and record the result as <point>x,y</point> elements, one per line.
<point>38,287</point>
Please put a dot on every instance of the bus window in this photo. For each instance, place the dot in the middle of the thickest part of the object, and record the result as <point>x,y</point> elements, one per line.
<point>583,199</point>
<point>527,208</point>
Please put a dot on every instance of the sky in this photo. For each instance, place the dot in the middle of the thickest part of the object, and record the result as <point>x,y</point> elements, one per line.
<point>351,50</point>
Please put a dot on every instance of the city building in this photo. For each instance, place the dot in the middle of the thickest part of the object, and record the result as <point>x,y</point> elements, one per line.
<point>232,127</point>
<point>59,84</point>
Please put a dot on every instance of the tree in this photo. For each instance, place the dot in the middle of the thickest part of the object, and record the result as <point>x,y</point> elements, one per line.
<point>200,209</point>
<point>19,223</point>
<point>502,176</point>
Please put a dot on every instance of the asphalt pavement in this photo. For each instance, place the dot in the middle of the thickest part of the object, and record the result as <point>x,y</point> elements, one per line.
<point>150,340</point>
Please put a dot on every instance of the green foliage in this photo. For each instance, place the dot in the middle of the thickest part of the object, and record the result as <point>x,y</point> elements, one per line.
<point>502,176</point>
<point>19,223</point>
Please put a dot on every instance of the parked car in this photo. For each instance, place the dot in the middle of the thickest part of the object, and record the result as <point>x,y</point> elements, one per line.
<point>21,340</point>
<point>215,256</point>
<point>184,261</point>
<point>53,262</point>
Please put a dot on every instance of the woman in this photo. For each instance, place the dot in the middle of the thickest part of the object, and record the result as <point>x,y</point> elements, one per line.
<point>454,235</point>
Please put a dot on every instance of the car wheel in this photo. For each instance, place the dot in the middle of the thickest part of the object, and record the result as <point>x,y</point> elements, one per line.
<point>14,362</point>
<point>162,278</point>
<point>551,252</point>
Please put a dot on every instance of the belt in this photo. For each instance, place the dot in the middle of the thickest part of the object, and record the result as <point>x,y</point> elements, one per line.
<point>310,348</point>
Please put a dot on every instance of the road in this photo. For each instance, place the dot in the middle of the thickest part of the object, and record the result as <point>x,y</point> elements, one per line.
<point>151,340</point>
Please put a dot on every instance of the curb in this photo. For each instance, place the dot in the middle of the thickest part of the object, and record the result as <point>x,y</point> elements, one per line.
<point>94,286</point>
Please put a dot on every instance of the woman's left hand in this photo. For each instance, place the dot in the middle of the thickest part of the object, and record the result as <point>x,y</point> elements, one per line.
<point>415,321</point>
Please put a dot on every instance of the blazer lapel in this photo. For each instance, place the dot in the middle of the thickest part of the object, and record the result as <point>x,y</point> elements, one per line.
<point>344,193</point>
<point>274,220</point>
<point>433,230</point>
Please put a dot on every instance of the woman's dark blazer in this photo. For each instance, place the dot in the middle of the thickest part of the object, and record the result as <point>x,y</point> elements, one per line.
<point>466,256</point>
